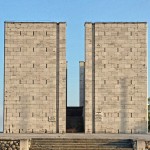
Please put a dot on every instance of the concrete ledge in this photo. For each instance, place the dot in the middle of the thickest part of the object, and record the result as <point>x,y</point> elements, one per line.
<point>143,137</point>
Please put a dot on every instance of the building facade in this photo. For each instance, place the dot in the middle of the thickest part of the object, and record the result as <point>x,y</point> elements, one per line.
<point>35,77</point>
<point>113,78</point>
<point>116,77</point>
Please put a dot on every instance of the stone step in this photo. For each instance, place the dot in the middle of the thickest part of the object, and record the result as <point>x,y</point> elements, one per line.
<point>80,140</point>
<point>72,143</point>
<point>80,144</point>
<point>128,145</point>
<point>70,148</point>
<point>78,147</point>
<point>40,143</point>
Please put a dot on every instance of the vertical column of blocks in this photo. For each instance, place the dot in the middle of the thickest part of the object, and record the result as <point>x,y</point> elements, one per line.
<point>62,78</point>
<point>120,77</point>
<point>88,78</point>
<point>30,77</point>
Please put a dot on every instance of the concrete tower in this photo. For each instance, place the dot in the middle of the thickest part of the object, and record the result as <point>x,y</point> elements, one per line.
<point>35,77</point>
<point>116,77</point>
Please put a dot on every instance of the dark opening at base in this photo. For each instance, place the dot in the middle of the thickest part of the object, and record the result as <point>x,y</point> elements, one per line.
<point>75,121</point>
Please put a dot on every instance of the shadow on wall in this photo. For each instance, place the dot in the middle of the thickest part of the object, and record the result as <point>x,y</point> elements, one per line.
<point>123,102</point>
<point>25,116</point>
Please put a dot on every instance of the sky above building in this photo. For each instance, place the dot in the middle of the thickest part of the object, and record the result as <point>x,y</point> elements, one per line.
<point>75,13</point>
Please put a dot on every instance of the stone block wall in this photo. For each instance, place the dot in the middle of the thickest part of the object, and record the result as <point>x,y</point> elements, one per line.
<point>35,77</point>
<point>116,77</point>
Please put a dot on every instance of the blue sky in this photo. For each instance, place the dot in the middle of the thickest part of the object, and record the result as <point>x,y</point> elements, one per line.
<point>75,13</point>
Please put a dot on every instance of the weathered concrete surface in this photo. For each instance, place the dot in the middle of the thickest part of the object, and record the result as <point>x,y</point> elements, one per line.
<point>35,70</point>
<point>140,145</point>
<point>116,77</point>
<point>24,144</point>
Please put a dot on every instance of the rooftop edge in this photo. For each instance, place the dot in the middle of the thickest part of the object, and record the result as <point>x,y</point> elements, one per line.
<point>115,22</point>
<point>32,22</point>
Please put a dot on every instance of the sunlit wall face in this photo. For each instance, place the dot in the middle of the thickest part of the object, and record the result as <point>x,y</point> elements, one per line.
<point>116,77</point>
<point>35,77</point>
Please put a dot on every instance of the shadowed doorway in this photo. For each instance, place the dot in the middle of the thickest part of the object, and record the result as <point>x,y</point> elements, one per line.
<point>75,121</point>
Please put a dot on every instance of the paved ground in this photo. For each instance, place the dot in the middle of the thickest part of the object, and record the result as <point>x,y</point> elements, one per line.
<point>145,137</point>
